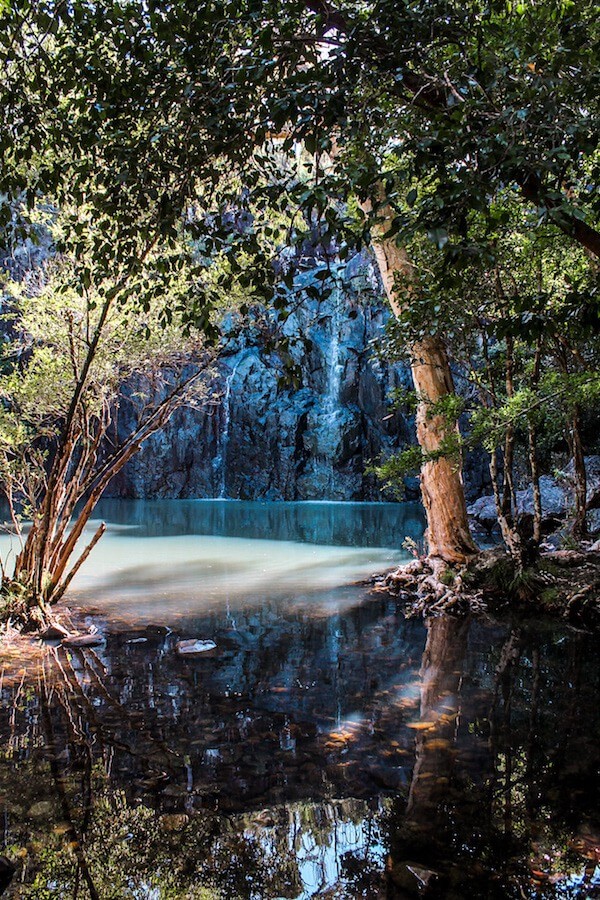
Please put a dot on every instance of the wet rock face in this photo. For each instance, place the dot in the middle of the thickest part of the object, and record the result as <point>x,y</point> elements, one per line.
<point>262,440</point>
<point>266,440</point>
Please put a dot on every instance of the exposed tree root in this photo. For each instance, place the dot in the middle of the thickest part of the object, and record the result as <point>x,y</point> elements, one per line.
<point>18,611</point>
<point>565,583</point>
<point>431,587</point>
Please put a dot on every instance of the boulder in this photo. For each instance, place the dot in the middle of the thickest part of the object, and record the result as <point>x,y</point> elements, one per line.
<point>556,540</point>
<point>42,809</point>
<point>593,521</point>
<point>483,511</point>
<point>592,471</point>
<point>554,499</point>
<point>554,504</point>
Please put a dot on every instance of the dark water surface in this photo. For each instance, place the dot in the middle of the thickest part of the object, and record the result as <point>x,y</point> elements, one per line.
<point>327,747</point>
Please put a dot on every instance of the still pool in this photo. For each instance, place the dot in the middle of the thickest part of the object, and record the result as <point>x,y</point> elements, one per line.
<point>327,747</point>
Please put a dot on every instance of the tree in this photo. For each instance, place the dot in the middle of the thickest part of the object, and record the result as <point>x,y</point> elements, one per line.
<point>479,96</point>
<point>71,364</point>
<point>439,104</point>
<point>428,110</point>
<point>108,140</point>
<point>519,316</point>
<point>448,533</point>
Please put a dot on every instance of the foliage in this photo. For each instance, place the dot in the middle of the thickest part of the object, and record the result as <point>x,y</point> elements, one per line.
<point>393,470</point>
<point>164,105</point>
<point>471,98</point>
<point>51,329</point>
<point>244,126</point>
<point>519,321</point>
<point>73,361</point>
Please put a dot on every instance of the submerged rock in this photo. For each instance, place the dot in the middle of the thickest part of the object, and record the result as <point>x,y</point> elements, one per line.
<point>84,640</point>
<point>193,647</point>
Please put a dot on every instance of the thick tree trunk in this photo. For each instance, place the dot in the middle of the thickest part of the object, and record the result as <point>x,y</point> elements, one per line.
<point>448,534</point>
<point>533,456</point>
<point>509,496</point>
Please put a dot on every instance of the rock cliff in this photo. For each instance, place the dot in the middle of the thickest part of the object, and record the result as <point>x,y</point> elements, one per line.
<point>264,439</point>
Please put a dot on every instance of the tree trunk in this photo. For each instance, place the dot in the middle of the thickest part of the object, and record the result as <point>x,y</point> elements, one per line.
<point>533,457</point>
<point>509,496</point>
<point>510,533</point>
<point>579,528</point>
<point>535,483</point>
<point>579,522</point>
<point>448,534</point>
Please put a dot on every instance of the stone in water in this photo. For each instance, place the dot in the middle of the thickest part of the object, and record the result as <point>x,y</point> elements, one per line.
<point>193,646</point>
<point>55,632</point>
<point>84,640</point>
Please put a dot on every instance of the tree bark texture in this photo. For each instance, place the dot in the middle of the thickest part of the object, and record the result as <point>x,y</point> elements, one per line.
<point>448,534</point>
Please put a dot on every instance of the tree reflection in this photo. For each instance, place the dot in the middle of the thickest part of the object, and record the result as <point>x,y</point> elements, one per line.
<point>489,766</point>
<point>304,755</point>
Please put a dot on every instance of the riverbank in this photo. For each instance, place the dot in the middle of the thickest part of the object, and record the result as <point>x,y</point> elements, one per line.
<point>562,584</point>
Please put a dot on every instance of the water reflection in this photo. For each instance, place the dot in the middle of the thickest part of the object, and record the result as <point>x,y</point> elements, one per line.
<point>330,523</point>
<point>355,755</point>
<point>327,747</point>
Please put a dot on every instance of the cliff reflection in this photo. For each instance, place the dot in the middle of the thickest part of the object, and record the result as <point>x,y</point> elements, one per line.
<point>329,523</point>
<point>170,559</point>
<point>346,754</point>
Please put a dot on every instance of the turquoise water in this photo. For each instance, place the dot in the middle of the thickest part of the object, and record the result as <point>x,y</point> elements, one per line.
<point>169,559</point>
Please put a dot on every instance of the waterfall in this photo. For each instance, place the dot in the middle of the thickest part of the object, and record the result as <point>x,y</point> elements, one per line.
<point>331,419</point>
<point>220,460</point>
<point>334,370</point>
